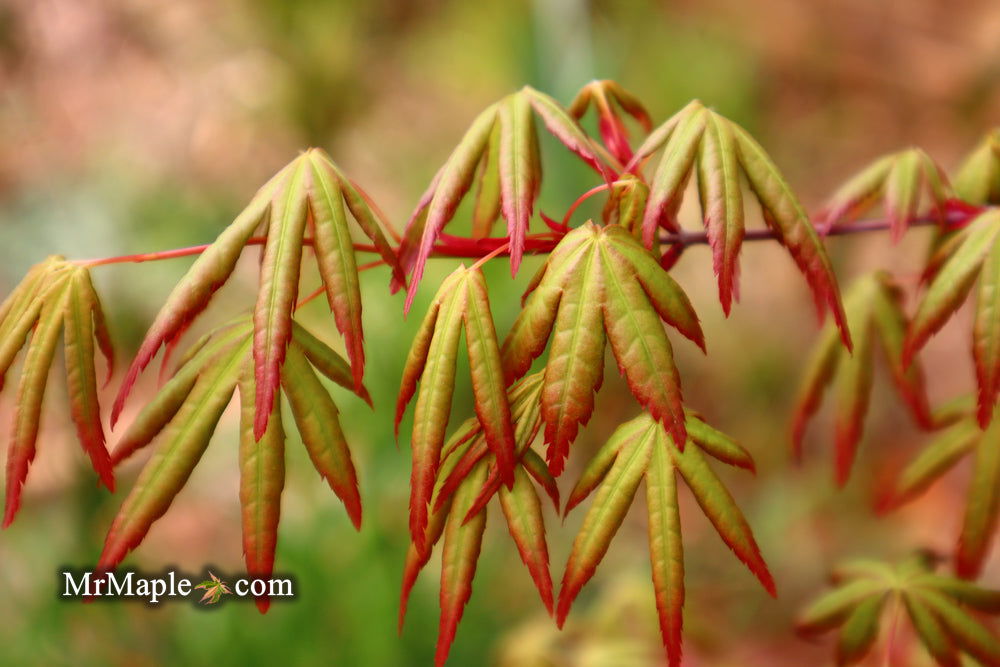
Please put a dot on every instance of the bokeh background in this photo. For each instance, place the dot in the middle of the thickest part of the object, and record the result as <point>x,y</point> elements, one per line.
<point>130,126</point>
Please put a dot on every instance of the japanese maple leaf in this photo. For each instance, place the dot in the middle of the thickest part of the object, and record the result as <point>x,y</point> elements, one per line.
<point>875,313</point>
<point>215,588</point>
<point>943,611</point>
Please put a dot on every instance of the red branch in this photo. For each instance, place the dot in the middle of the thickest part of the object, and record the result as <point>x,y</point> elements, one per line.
<point>457,246</point>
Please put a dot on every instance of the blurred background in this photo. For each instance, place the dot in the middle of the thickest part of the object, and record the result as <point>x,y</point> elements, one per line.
<point>130,126</point>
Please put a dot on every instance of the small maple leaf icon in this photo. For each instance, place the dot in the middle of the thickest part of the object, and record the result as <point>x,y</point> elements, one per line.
<point>215,588</point>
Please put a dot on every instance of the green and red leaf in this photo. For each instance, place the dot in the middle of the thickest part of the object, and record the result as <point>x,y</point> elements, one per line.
<point>611,504</point>
<point>784,214</point>
<point>79,332</point>
<point>446,192</point>
<point>318,421</point>
<point>262,479</point>
<point>666,551</point>
<point>523,512</point>
<point>30,394</point>
<point>519,181</point>
<point>935,605</point>
<point>462,542</point>
<point>982,508</point>
<point>182,442</point>
<point>952,283</point>
<point>279,289</point>
<point>192,294</point>
<point>722,204</point>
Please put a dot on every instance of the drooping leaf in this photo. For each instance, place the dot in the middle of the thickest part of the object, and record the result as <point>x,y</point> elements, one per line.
<point>874,312</point>
<point>666,190</point>
<point>262,479</point>
<point>82,323</point>
<point>462,542</point>
<point>467,479</point>
<point>519,181</point>
<point>721,155</point>
<point>609,99</point>
<point>192,294</point>
<point>309,193</point>
<point>933,605</point>
<point>608,510</point>
<point>666,552</point>
<point>523,512</point>
<point>575,365</point>
<point>182,442</point>
<point>502,140</point>
<point>933,461</point>
<point>638,449</point>
<point>487,208</point>
<point>859,193</point>
<point>980,524</point>
<point>162,408</point>
<point>600,284</point>
<point>279,289</point>
<point>318,421</point>
<point>56,297</point>
<point>975,256</point>
<point>986,334</point>
<point>184,413</point>
<point>488,385</point>
<point>722,204</point>
<point>461,301</point>
<point>30,393</point>
<point>903,180</point>
<point>328,362</point>
<point>784,214</point>
<point>443,197</point>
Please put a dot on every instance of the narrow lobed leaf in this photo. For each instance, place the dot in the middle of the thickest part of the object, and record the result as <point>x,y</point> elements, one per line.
<point>262,479</point>
<point>278,291</point>
<point>318,421</point>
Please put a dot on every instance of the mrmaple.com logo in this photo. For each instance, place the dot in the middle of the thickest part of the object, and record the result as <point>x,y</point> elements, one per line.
<point>170,585</point>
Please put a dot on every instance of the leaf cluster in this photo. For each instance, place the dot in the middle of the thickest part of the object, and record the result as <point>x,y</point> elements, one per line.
<point>309,194</point>
<point>501,146</point>
<point>874,307</point>
<point>56,297</point>
<point>943,611</point>
<point>185,412</point>
<point>903,180</point>
<point>699,143</point>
